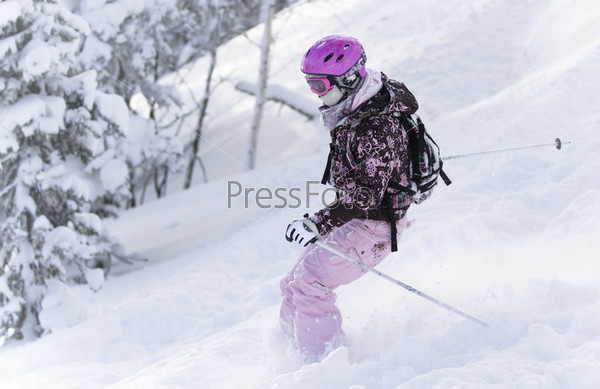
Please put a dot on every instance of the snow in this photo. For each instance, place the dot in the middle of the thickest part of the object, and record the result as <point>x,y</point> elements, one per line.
<point>94,278</point>
<point>105,18</point>
<point>7,46</point>
<point>23,200</point>
<point>84,84</point>
<point>302,103</point>
<point>114,174</point>
<point>37,61</point>
<point>66,176</point>
<point>55,112</point>
<point>9,12</point>
<point>61,307</point>
<point>32,112</point>
<point>21,113</point>
<point>72,20</point>
<point>90,221</point>
<point>112,106</point>
<point>513,241</point>
<point>29,169</point>
<point>42,223</point>
<point>61,237</point>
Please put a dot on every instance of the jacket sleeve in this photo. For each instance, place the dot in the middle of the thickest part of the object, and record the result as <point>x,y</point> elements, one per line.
<point>376,151</point>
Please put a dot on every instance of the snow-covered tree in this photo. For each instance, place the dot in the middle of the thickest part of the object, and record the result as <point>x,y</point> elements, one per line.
<point>138,43</point>
<point>60,168</point>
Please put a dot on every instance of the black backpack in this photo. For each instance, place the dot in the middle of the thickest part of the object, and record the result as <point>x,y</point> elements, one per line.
<point>425,168</point>
<point>425,160</point>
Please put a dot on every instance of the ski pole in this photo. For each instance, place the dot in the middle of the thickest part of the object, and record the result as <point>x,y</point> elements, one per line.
<point>557,143</point>
<point>400,283</point>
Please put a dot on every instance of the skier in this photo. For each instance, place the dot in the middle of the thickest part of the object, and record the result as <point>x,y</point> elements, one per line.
<point>368,152</point>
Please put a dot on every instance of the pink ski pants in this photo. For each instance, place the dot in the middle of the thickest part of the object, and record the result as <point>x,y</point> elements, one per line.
<point>308,312</point>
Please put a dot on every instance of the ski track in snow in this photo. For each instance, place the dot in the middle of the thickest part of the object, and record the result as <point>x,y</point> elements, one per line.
<point>513,241</point>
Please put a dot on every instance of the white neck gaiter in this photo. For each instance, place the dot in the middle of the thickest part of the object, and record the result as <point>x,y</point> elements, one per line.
<point>332,116</point>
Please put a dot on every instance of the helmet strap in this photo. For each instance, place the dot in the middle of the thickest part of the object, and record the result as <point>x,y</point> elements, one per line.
<point>349,82</point>
<point>349,87</point>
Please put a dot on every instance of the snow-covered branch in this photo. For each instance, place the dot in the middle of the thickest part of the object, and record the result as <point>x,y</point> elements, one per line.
<point>282,95</point>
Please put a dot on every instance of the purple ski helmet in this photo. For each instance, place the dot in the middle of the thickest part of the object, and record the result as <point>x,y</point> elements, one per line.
<point>335,55</point>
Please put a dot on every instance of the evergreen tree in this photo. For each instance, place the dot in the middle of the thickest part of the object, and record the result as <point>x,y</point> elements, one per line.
<point>135,50</point>
<point>60,167</point>
<point>138,46</point>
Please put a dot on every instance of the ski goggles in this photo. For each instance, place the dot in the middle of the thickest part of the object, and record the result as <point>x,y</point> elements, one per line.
<point>320,84</point>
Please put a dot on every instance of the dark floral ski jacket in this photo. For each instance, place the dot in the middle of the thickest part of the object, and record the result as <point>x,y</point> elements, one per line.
<point>368,151</point>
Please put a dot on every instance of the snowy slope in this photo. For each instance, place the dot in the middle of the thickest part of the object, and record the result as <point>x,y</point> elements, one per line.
<point>513,241</point>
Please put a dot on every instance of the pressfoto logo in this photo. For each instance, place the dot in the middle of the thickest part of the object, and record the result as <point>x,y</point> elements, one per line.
<point>294,197</point>
<point>281,197</point>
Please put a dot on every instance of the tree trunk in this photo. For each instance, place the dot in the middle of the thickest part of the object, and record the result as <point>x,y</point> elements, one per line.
<point>263,75</point>
<point>203,106</point>
<point>160,182</point>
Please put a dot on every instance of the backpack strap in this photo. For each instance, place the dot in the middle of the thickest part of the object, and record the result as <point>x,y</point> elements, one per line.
<point>418,128</point>
<point>389,199</point>
<point>336,149</point>
<point>402,188</point>
<point>443,174</point>
<point>391,214</point>
<point>327,172</point>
